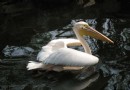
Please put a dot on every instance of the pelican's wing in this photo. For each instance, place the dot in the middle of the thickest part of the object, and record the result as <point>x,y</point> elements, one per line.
<point>55,45</point>
<point>72,42</point>
<point>71,57</point>
<point>66,42</point>
<point>42,55</point>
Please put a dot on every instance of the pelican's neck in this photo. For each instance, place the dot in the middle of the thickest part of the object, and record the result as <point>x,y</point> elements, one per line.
<point>83,42</point>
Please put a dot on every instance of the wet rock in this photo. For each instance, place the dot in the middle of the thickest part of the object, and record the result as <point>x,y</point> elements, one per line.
<point>108,71</point>
<point>41,87</point>
<point>14,51</point>
<point>127,47</point>
<point>40,39</point>
<point>126,35</point>
<point>118,82</point>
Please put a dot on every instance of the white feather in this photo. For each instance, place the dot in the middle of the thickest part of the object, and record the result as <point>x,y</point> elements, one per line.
<point>71,57</point>
<point>34,65</point>
<point>50,48</point>
<point>55,45</point>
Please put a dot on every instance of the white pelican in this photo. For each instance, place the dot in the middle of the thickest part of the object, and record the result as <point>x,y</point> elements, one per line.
<point>55,56</point>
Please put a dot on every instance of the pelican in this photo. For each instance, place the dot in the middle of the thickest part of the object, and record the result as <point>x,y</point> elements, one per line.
<point>56,56</point>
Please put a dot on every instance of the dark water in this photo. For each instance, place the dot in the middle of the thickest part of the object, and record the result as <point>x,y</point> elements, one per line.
<point>113,73</point>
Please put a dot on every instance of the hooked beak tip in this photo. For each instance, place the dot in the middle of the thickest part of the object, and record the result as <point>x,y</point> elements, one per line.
<point>111,42</point>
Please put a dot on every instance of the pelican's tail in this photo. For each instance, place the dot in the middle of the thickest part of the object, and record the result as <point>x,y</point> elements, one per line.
<point>35,65</point>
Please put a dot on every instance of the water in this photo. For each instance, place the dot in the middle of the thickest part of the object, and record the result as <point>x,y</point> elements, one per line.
<point>113,73</point>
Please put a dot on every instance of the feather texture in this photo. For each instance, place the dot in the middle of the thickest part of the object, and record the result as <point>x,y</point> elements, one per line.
<point>54,45</point>
<point>71,57</point>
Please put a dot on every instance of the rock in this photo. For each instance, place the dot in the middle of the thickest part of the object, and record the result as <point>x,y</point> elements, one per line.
<point>14,51</point>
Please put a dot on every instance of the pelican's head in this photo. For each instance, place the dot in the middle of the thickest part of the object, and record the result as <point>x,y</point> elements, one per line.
<point>82,28</point>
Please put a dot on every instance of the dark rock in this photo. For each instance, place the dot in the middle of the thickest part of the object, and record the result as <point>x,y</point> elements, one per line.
<point>13,51</point>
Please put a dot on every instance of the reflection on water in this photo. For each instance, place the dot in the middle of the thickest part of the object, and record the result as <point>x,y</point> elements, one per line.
<point>114,58</point>
<point>73,84</point>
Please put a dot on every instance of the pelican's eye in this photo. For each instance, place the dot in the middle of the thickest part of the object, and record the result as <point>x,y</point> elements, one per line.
<point>84,26</point>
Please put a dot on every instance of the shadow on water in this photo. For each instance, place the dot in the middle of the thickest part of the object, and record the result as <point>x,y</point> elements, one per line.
<point>113,73</point>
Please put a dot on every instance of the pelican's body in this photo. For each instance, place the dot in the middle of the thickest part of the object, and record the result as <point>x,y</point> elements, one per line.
<point>55,45</point>
<point>56,56</point>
